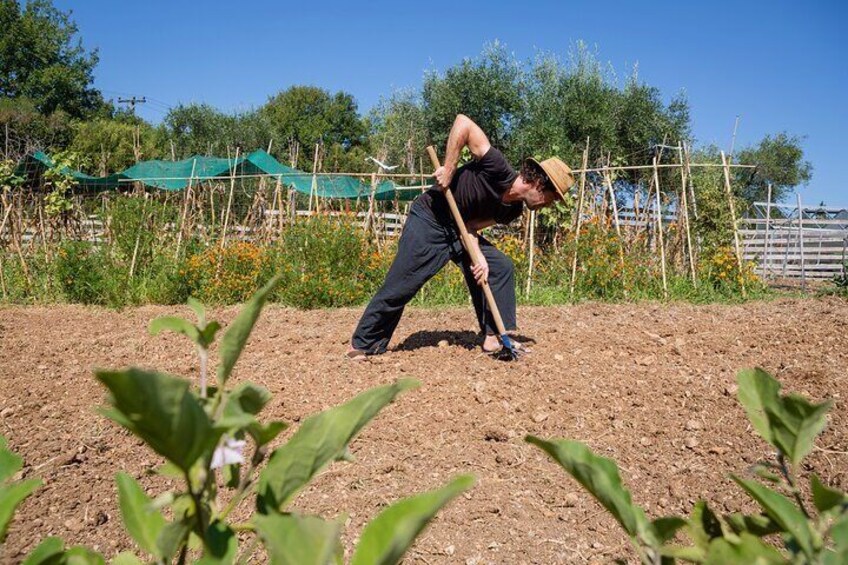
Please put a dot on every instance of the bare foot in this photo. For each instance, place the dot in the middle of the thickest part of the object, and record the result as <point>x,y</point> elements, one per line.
<point>491,343</point>
<point>355,354</point>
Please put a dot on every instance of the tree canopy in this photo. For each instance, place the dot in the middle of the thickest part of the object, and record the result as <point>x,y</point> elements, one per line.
<point>43,59</point>
<point>540,107</point>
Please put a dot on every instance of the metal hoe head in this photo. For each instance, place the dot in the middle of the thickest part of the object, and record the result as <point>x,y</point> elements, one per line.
<point>508,352</point>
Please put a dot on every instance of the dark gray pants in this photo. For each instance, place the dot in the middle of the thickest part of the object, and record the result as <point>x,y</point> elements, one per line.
<point>425,246</point>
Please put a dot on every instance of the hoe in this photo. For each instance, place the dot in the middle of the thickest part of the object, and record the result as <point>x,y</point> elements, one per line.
<point>508,351</point>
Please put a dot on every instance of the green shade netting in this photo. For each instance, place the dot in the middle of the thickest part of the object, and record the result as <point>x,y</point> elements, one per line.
<point>175,176</point>
<point>33,166</point>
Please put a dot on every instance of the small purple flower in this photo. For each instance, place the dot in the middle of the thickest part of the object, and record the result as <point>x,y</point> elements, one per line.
<point>229,452</point>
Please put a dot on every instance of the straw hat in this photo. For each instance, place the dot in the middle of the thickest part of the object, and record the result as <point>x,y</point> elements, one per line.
<point>558,172</point>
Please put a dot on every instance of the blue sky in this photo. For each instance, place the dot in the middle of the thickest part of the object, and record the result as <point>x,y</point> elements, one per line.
<point>780,66</point>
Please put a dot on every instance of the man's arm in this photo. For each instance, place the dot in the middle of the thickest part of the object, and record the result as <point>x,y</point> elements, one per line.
<point>464,132</point>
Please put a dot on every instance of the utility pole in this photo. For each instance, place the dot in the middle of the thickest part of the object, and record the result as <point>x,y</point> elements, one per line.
<point>733,139</point>
<point>132,102</point>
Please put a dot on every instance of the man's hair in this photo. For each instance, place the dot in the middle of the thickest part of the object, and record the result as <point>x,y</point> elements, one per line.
<point>532,173</point>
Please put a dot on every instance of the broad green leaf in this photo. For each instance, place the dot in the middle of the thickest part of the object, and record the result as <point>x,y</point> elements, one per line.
<point>198,308</point>
<point>164,500</point>
<point>263,434</point>
<point>839,533</point>
<point>79,555</point>
<point>10,463</point>
<point>246,398</point>
<point>825,497</point>
<point>168,469</point>
<point>239,330</point>
<point>11,496</point>
<point>757,390</point>
<point>183,506</point>
<point>208,332</point>
<point>221,545</point>
<point>321,439</point>
<point>126,558</point>
<point>795,425</point>
<point>194,542</point>
<point>692,554</point>
<point>703,525</point>
<point>749,551</point>
<point>242,403</point>
<point>838,557</point>
<point>291,539</point>
<point>231,475</point>
<point>142,522</point>
<point>766,474</point>
<point>175,324</point>
<point>48,552</point>
<point>388,536</point>
<point>759,525</point>
<point>790,423</point>
<point>782,511</point>
<point>666,528</point>
<point>162,411</point>
<point>600,477</point>
<point>172,537</point>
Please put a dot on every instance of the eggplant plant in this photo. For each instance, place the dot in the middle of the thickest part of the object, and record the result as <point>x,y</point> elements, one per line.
<point>790,424</point>
<point>204,434</point>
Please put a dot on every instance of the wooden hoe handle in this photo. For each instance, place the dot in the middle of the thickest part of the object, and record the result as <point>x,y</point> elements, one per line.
<point>471,249</point>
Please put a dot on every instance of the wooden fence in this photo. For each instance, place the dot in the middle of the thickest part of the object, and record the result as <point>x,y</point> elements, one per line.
<point>93,229</point>
<point>784,243</point>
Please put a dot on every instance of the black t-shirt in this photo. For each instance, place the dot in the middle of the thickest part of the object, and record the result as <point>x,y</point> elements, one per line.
<point>478,188</point>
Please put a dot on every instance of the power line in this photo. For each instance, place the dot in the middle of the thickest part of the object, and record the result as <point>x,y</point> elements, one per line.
<point>131,102</point>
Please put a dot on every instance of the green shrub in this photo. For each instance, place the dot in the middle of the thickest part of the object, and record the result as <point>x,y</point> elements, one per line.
<point>80,272</point>
<point>840,282</point>
<point>226,275</point>
<point>136,228</point>
<point>325,262</point>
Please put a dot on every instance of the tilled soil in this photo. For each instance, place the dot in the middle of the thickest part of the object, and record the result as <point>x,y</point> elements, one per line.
<point>650,385</point>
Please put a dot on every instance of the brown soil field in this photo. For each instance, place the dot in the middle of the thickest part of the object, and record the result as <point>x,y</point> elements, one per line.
<point>649,385</point>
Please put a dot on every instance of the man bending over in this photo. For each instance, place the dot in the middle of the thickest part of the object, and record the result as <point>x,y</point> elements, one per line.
<point>488,191</point>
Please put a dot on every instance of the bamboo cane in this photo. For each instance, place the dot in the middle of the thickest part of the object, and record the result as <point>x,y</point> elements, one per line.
<point>684,203</point>
<point>313,189</point>
<point>733,219</point>
<point>278,197</point>
<point>186,197</point>
<point>579,218</point>
<point>230,198</point>
<point>369,216</point>
<point>3,277</point>
<point>660,229</point>
<point>608,182</point>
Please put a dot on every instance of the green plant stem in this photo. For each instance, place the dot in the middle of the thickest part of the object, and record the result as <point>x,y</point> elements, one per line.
<point>236,500</point>
<point>241,491</point>
<point>204,360</point>
<point>243,527</point>
<point>198,507</point>
<point>644,558</point>
<point>183,553</point>
<point>784,469</point>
